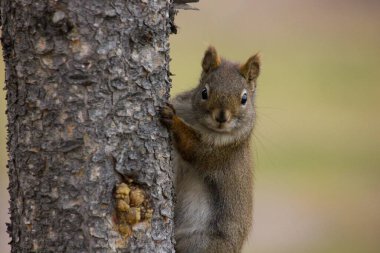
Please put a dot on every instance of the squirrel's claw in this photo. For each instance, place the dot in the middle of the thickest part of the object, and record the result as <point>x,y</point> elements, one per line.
<point>167,113</point>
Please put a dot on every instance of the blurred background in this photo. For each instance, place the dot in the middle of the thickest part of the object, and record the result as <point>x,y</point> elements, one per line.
<point>317,138</point>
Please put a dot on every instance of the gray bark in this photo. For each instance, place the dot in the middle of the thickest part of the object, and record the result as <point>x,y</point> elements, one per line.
<point>84,80</point>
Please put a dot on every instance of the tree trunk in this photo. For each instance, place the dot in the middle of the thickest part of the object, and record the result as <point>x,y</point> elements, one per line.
<point>84,80</point>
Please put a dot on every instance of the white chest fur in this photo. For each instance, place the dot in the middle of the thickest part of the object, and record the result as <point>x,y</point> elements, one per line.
<point>192,210</point>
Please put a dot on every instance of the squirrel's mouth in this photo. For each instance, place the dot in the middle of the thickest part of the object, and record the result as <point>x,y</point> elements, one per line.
<point>222,128</point>
<point>219,127</point>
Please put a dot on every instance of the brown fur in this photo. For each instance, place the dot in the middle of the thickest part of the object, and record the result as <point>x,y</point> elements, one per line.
<point>251,69</point>
<point>214,184</point>
<point>211,60</point>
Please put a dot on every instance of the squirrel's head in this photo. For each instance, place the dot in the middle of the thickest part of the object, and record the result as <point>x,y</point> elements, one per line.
<point>224,98</point>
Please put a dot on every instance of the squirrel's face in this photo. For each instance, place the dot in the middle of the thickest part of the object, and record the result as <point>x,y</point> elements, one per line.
<point>224,99</point>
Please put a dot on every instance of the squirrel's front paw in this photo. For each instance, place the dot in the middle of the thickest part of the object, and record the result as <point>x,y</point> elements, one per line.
<point>167,113</point>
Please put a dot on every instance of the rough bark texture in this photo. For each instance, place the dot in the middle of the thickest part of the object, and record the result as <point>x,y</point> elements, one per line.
<point>84,80</point>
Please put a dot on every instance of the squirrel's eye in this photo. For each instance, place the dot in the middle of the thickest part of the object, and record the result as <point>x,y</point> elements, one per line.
<point>244,98</point>
<point>204,94</point>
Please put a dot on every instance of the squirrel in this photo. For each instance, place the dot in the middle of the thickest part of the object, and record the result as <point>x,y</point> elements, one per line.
<point>211,127</point>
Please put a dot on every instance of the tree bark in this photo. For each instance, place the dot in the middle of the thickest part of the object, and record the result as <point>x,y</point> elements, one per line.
<point>84,80</point>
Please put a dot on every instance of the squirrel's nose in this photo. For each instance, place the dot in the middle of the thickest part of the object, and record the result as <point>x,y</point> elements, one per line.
<point>222,116</point>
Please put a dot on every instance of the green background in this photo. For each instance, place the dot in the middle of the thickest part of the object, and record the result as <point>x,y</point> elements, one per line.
<point>317,137</point>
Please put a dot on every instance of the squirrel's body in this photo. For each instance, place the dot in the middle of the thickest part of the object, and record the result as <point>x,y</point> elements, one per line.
<point>211,127</point>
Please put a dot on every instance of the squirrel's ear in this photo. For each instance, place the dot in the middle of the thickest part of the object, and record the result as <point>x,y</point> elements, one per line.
<point>211,60</point>
<point>251,69</point>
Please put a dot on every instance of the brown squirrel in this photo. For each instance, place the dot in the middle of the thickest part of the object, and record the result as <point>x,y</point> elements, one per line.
<point>211,127</point>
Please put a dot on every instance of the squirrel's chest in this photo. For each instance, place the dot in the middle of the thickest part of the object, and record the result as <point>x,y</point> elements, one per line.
<point>193,206</point>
